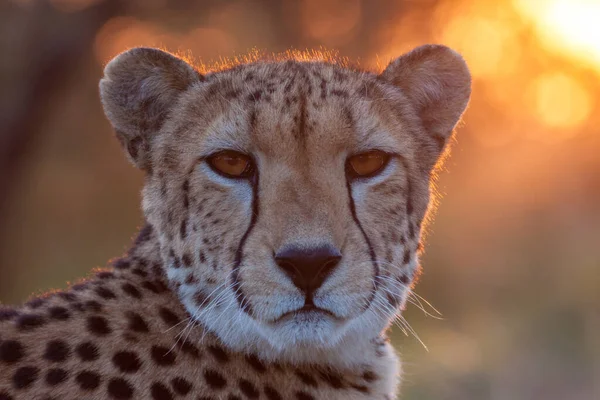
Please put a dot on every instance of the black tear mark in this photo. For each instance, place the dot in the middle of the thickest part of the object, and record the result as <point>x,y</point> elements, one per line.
<point>239,294</point>
<point>369,245</point>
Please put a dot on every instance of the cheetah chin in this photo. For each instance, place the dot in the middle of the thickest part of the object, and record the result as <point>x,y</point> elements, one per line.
<point>284,201</point>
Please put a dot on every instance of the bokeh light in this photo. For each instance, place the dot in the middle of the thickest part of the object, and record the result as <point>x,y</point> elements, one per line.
<point>560,101</point>
<point>567,26</point>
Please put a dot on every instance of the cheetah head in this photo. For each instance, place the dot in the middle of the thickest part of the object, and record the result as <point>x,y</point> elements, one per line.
<point>288,196</point>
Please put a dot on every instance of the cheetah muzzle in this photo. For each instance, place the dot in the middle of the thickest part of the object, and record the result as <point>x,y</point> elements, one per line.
<point>283,204</point>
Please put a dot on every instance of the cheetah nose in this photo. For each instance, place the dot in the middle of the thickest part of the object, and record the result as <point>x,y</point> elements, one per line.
<point>308,267</point>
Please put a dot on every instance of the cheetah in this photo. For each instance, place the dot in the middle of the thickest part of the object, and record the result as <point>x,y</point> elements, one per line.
<point>283,205</point>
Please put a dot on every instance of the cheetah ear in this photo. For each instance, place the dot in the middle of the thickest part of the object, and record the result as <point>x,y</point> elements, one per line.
<point>138,89</point>
<point>437,82</point>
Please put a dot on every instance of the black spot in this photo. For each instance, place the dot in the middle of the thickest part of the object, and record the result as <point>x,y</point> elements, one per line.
<point>233,397</point>
<point>202,257</point>
<point>131,290</point>
<point>361,388</point>
<point>59,313</point>
<point>5,396</point>
<point>335,381</point>
<point>409,204</point>
<point>162,356</point>
<point>98,326</point>
<point>369,376</point>
<point>156,286</point>
<point>105,293</point>
<point>57,351</point>
<point>87,351</point>
<point>214,379</point>
<point>188,348</point>
<point>133,146</point>
<point>169,316</point>
<point>406,258</point>
<point>181,386</point>
<point>255,363</point>
<point>307,379</point>
<point>88,380</point>
<point>249,389</point>
<point>11,351</point>
<point>339,93</point>
<point>120,389</point>
<point>218,353</point>
<point>24,377</point>
<point>56,376</point>
<point>121,264</point>
<point>183,229</point>
<point>272,394</point>
<point>105,275</point>
<point>139,272</point>
<point>190,279</point>
<point>187,260</point>
<point>7,313</point>
<point>137,323</point>
<point>200,299</point>
<point>157,269</point>
<point>36,303</point>
<point>404,279</point>
<point>255,96</point>
<point>304,396</point>
<point>160,392</point>
<point>144,235</point>
<point>141,263</point>
<point>66,296</point>
<point>127,361</point>
<point>411,230</point>
<point>28,322</point>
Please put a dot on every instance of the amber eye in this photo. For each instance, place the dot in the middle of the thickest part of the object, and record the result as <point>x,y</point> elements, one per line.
<point>231,163</point>
<point>368,164</point>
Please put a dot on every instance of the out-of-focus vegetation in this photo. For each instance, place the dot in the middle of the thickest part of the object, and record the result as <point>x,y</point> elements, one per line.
<point>513,258</point>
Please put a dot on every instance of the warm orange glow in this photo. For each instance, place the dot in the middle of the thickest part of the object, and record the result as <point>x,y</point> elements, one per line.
<point>331,22</point>
<point>560,101</point>
<point>567,26</point>
<point>122,33</point>
<point>488,45</point>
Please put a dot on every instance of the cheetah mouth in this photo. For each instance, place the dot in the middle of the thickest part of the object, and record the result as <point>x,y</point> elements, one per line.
<point>307,312</point>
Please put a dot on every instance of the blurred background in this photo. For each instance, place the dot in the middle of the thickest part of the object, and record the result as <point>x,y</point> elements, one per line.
<point>512,260</point>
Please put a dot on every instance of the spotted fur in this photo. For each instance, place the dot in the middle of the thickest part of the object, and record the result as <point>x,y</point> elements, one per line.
<point>198,308</point>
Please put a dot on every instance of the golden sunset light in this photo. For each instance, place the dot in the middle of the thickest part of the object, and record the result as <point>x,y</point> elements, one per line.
<point>566,26</point>
<point>223,156</point>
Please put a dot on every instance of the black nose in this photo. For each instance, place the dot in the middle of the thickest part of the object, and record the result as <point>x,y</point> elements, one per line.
<point>308,267</point>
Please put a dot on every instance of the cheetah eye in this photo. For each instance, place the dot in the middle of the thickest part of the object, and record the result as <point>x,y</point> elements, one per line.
<point>231,164</point>
<point>367,164</point>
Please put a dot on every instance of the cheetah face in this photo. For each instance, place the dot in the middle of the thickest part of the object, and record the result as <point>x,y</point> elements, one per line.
<point>288,196</point>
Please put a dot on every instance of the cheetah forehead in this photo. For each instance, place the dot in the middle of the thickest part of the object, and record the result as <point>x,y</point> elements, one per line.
<point>287,109</point>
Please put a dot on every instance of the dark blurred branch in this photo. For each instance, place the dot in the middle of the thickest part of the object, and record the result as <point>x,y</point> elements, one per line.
<point>41,48</point>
